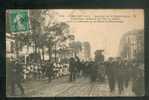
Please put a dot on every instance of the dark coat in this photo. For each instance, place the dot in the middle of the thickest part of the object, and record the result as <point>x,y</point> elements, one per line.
<point>109,68</point>
<point>17,72</point>
<point>49,71</point>
<point>72,65</point>
<point>138,86</point>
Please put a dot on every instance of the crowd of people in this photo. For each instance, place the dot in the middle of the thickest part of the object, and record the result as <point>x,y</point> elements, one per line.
<point>41,71</point>
<point>116,71</point>
<point>121,72</point>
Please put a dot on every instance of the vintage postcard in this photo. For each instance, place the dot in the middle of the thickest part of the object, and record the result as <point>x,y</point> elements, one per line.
<point>74,52</point>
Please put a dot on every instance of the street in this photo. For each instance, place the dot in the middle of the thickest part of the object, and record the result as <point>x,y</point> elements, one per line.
<point>63,88</point>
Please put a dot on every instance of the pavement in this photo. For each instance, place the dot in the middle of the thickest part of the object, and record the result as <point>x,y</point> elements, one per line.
<point>63,88</point>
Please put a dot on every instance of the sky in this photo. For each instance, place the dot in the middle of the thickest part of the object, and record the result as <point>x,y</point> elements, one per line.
<point>102,35</point>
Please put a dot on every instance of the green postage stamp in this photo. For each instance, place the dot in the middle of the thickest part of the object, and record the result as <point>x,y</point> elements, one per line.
<point>19,21</point>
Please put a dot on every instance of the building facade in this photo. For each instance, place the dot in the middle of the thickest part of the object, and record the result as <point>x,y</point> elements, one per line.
<point>132,45</point>
<point>10,46</point>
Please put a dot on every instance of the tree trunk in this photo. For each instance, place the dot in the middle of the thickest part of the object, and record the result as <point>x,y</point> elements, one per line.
<point>43,53</point>
<point>35,47</point>
<point>27,54</point>
<point>55,53</point>
<point>49,53</point>
<point>35,53</point>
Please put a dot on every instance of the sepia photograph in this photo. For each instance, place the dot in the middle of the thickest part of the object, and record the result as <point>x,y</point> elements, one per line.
<point>74,52</point>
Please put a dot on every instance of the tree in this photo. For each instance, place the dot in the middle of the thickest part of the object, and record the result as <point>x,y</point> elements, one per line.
<point>42,36</point>
<point>58,34</point>
<point>36,34</point>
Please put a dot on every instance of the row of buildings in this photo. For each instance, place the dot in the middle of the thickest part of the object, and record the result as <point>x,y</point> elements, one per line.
<point>132,45</point>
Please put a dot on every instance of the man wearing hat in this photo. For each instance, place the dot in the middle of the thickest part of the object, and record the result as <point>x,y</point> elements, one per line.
<point>72,69</point>
<point>17,73</point>
<point>110,72</point>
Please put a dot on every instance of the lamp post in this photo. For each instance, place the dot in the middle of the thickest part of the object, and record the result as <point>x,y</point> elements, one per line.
<point>55,52</point>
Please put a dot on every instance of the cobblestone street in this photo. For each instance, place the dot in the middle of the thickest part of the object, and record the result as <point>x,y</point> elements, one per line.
<point>80,87</point>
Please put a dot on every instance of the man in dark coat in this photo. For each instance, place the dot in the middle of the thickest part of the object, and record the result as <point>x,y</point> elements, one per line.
<point>72,69</point>
<point>126,73</point>
<point>49,71</point>
<point>120,77</point>
<point>17,73</point>
<point>110,72</point>
<point>82,67</point>
<point>78,65</point>
<point>138,83</point>
<point>93,71</point>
